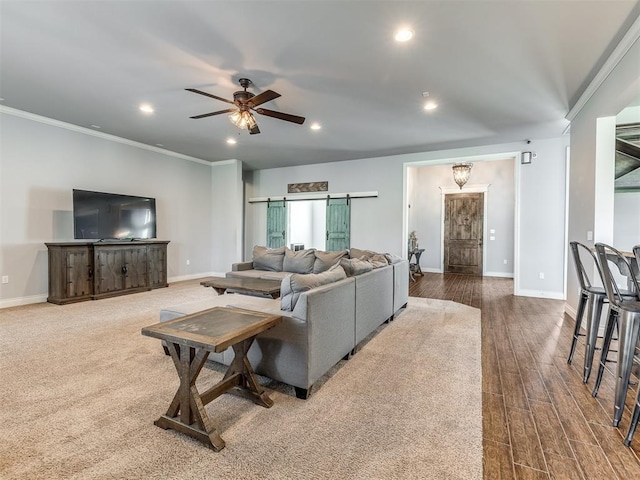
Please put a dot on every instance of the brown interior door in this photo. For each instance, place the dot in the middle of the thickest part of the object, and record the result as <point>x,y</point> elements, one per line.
<point>463,233</point>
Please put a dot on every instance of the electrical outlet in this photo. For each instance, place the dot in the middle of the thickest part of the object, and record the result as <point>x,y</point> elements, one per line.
<point>589,235</point>
<point>188,262</point>
<point>505,261</point>
<point>541,275</point>
<point>5,279</point>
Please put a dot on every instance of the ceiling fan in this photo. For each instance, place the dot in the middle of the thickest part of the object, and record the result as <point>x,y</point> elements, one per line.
<point>245,102</point>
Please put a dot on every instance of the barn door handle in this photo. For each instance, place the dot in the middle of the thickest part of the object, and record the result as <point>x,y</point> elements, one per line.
<point>124,269</point>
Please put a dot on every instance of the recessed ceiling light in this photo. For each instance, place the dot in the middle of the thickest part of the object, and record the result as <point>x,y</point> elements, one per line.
<point>1,99</point>
<point>404,35</point>
<point>231,141</point>
<point>430,105</point>
<point>159,145</point>
<point>97,127</point>
<point>315,126</point>
<point>146,108</point>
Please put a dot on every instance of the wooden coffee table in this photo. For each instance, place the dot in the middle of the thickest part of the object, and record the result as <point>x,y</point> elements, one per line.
<point>189,340</point>
<point>244,285</point>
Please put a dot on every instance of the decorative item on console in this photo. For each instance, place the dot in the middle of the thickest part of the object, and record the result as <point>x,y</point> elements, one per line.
<point>413,240</point>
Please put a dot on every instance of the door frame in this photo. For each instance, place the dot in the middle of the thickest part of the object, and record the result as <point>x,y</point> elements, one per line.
<point>480,188</point>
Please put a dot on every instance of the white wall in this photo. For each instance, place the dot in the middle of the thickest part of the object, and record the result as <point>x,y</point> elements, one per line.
<point>227,195</point>
<point>626,225</point>
<point>374,221</point>
<point>619,89</point>
<point>41,161</point>
<point>380,223</point>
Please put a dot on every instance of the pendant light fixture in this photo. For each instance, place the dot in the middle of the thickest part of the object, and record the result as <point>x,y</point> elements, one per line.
<point>461,172</point>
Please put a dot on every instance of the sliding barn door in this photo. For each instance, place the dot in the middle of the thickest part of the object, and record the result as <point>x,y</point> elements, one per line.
<point>338,224</point>
<point>276,224</point>
<point>463,233</point>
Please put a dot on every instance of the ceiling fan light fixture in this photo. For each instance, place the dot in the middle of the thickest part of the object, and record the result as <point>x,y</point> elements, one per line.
<point>243,119</point>
<point>315,126</point>
<point>461,172</point>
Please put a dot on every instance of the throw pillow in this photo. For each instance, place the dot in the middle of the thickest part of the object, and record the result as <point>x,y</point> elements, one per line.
<point>299,262</point>
<point>355,266</point>
<point>325,260</point>
<point>295,284</point>
<point>361,254</point>
<point>269,259</point>
<point>378,260</point>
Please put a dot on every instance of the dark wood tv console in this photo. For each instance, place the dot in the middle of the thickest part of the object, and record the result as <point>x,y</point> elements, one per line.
<point>81,271</point>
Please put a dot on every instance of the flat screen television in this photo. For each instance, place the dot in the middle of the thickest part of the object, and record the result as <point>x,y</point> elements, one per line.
<point>98,215</point>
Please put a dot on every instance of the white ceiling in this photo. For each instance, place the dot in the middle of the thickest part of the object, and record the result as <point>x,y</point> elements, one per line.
<point>500,71</point>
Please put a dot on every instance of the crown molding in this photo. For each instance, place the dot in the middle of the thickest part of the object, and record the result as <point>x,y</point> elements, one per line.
<point>616,56</point>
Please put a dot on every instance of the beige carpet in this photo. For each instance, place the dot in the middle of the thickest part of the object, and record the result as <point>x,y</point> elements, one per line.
<point>81,388</point>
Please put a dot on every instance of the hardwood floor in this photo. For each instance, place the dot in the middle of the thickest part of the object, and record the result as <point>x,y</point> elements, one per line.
<point>539,420</point>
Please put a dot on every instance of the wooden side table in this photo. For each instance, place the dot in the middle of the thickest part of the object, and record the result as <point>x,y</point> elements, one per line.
<point>189,340</point>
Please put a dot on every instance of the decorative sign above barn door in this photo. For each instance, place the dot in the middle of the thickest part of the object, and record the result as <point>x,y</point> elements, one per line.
<point>308,187</point>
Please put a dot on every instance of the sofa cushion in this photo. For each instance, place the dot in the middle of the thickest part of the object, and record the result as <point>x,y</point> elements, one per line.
<point>355,266</point>
<point>325,260</point>
<point>295,284</point>
<point>270,259</point>
<point>299,262</point>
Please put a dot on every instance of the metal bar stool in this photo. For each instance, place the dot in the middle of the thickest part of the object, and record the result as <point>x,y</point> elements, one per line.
<point>627,314</point>
<point>592,298</point>
<point>636,410</point>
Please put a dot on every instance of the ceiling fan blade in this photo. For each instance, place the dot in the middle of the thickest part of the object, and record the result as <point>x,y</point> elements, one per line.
<point>282,116</point>
<point>208,95</point>
<point>228,110</point>
<point>254,130</point>
<point>263,97</point>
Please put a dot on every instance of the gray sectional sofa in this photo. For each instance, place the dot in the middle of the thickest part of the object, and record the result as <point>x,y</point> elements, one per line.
<point>325,316</point>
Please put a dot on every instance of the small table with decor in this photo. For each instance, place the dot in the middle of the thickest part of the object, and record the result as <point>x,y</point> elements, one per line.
<point>414,267</point>
<point>189,340</point>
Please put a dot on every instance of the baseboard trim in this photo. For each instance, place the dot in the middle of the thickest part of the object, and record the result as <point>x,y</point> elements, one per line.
<point>569,310</point>
<point>498,274</point>
<point>19,301</point>
<point>540,294</point>
<point>431,270</point>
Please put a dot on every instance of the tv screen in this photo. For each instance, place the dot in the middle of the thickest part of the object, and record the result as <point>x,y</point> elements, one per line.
<point>98,215</point>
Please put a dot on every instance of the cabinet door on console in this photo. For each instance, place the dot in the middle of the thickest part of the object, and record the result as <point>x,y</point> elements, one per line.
<point>79,266</point>
<point>134,267</point>
<point>109,263</point>
<point>157,262</point>
<point>70,273</point>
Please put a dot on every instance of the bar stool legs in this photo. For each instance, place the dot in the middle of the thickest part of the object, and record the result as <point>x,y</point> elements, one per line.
<point>629,325</point>
<point>634,421</point>
<point>594,312</point>
<point>612,323</point>
<point>576,331</point>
